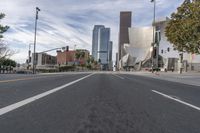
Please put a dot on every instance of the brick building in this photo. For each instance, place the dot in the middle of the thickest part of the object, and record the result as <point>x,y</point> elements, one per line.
<point>70,57</point>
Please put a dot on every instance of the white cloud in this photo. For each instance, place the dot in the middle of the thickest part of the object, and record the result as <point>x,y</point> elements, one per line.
<point>61,22</point>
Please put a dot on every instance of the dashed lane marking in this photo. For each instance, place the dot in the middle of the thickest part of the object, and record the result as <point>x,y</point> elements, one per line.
<point>177,100</point>
<point>118,76</point>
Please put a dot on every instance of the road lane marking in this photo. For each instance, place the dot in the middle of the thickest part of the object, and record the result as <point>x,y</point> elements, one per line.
<point>28,78</point>
<point>39,96</point>
<point>118,76</point>
<point>14,80</point>
<point>177,100</point>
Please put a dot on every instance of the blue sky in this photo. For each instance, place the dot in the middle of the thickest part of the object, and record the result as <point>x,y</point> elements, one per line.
<point>70,22</point>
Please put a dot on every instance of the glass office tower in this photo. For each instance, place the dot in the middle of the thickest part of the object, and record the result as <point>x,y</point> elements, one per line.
<point>95,39</point>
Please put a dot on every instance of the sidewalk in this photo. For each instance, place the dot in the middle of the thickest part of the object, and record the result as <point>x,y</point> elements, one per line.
<point>190,78</point>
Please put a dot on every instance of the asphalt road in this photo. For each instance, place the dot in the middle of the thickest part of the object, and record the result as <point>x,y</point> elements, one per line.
<point>97,103</point>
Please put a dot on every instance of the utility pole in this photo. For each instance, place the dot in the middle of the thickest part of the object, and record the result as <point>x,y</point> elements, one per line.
<point>154,45</point>
<point>29,55</point>
<point>34,55</point>
<point>75,47</point>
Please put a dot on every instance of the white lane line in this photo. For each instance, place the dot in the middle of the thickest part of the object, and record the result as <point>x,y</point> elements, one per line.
<point>177,100</point>
<point>39,96</point>
<point>118,76</point>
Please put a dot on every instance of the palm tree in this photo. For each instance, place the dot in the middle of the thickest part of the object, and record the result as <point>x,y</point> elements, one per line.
<point>80,54</point>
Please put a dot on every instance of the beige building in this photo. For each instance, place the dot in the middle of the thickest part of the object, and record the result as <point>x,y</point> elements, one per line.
<point>44,61</point>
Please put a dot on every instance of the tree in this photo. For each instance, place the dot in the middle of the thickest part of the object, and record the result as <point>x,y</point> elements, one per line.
<point>90,62</point>
<point>183,29</point>
<point>4,50</point>
<point>2,28</point>
<point>8,62</point>
<point>80,54</point>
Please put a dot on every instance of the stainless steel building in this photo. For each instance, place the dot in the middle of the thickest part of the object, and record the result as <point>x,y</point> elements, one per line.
<point>139,48</point>
<point>138,52</point>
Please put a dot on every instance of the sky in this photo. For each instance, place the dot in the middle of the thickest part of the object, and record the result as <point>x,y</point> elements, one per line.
<point>70,22</point>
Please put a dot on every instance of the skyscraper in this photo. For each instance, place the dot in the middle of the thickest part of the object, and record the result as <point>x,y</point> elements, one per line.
<point>95,39</point>
<point>110,62</point>
<point>125,23</point>
<point>102,46</point>
<point>110,47</point>
<point>104,39</point>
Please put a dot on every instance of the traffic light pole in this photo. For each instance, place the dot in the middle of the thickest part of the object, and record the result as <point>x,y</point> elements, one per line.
<point>34,55</point>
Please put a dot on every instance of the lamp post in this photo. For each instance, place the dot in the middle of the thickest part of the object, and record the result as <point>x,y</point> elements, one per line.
<point>154,45</point>
<point>29,55</point>
<point>34,55</point>
<point>74,47</point>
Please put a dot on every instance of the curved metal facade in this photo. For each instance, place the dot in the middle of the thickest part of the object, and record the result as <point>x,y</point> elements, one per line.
<point>140,45</point>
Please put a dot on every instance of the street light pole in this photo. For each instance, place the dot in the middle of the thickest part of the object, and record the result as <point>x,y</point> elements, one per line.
<point>29,55</point>
<point>154,46</point>
<point>34,55</point>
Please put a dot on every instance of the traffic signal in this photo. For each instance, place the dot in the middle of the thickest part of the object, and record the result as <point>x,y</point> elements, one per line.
<point>67,48</point>
<point>168,49</point>
<point>157,37</point>
<point>154,52</point>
